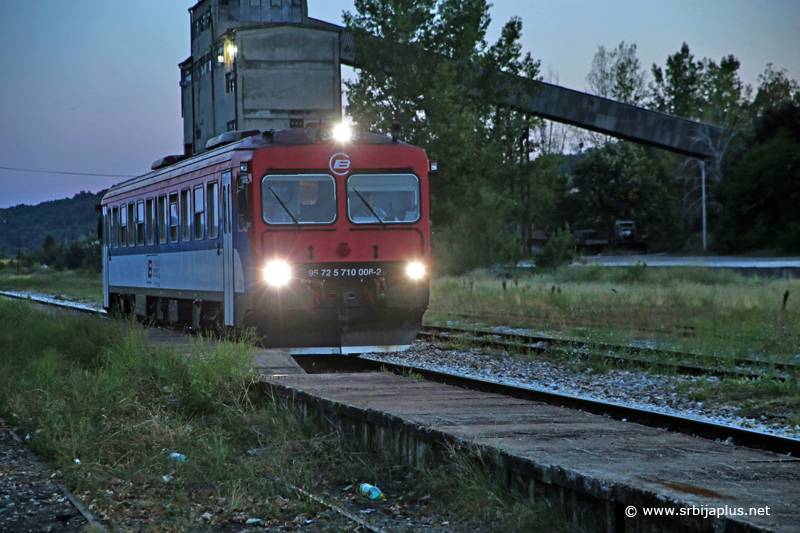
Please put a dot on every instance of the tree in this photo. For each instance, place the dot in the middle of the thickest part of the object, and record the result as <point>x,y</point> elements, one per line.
<point>726,99</point>
<point>775,90</point>
<point>622,181</point>
<point>435,75</point>
<point>551,138</point>
<point>676,89</point>
<point>711,92</point>
<point>762,189</point>
<point>618,74</point>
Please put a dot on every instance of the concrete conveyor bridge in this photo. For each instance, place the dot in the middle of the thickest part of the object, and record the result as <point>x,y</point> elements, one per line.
<point>590,112</point>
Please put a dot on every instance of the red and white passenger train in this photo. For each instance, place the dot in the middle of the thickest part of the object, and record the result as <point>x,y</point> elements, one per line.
<point>320,241</point>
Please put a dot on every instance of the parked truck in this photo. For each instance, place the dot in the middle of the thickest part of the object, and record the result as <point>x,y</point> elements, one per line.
<point>623,235</point>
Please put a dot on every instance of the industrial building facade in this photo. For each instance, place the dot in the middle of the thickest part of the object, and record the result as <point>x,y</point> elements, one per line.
<point>257,64</point>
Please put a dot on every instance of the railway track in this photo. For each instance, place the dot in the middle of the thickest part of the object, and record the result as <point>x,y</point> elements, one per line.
<point>690,426</point>
<point>634,356</point>
<point>680,330</point>
<point>53,302</point>
<point>588,321</point>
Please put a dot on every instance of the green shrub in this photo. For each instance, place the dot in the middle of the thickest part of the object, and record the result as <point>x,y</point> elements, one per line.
<point>559,250</point>
<point>635,273</point>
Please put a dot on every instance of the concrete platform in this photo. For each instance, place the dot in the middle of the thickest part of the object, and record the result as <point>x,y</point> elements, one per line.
<point>276,362</point>
<point>591,468</point>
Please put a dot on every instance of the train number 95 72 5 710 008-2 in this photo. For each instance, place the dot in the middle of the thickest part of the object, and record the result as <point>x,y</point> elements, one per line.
<point>343,272</point>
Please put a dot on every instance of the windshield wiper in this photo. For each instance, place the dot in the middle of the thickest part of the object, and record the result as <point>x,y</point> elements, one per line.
<point>283,205</point>
<point>370,208</point>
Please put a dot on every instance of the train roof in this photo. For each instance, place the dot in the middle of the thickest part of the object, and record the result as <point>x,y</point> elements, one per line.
<point>253,140</point>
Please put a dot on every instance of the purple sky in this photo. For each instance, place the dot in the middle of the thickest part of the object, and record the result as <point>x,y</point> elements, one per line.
<point>91,86</point>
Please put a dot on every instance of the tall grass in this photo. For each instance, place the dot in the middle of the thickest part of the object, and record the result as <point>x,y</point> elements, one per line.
<point>82,286</point>
<point>108,410</point>
<point>690,309</point>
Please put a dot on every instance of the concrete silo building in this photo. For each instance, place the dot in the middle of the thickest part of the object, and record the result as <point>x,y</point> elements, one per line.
<point>258,64</point>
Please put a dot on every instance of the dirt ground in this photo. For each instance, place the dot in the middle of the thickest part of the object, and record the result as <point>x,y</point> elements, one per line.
<point>31,500</point>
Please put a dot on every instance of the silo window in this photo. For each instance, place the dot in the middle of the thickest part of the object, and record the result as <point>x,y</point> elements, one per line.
<point>202,23</point>
<point>186,75</point>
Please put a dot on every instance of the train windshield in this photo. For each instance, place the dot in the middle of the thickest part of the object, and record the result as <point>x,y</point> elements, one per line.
<point>298,199</point>
<point>383,198</point>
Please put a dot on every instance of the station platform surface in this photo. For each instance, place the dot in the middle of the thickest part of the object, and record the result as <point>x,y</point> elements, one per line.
<point>621,462</point>
<point>276,362</point>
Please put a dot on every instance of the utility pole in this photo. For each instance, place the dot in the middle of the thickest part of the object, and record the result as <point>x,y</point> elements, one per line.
<point>703,171</point>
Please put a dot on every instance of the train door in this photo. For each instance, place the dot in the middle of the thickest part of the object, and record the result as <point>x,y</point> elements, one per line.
<point>227,249</point>
<point>106,244</point>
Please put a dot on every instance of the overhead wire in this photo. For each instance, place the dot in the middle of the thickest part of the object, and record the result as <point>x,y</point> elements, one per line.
<point>69,173</point>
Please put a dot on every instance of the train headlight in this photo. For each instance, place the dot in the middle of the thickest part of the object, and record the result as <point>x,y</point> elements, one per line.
<point>342,133</point>
<point>277,273</point>
<point>415,270</point>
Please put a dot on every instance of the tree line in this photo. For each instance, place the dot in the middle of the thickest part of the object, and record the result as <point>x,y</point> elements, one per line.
<point>504,174</point>
<point>60,234</point>
<point>26,226</point>
<point>81,254</point>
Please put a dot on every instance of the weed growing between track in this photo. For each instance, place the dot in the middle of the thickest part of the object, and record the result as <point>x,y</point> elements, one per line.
<point>763,399</point>
<point>94,391</point>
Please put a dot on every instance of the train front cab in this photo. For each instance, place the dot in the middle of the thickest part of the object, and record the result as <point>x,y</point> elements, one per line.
<point>340,245</point>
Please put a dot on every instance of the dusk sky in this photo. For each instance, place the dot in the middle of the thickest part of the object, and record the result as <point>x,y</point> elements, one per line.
<point>91,86</point>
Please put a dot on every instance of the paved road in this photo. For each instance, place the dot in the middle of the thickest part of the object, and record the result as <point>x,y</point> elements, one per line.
<point>715,261</point>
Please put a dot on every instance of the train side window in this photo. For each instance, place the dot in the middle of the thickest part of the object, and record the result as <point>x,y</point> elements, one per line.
<point>107,235</point>
<point>151,221</point>
<point>186,219</point>
<point>213,210</point>
<point>162,219</point>
<point>131,224</point>
<point>174,217</point>
<point>123,225</point>
<point>140,222</point>
<point>224,211</point>
<point>199,213</point>
<point>243,202</point>
<point>226,203</point>
<point>115,227</point>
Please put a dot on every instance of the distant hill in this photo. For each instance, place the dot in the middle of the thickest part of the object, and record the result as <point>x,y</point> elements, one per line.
<point>66,220</point>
